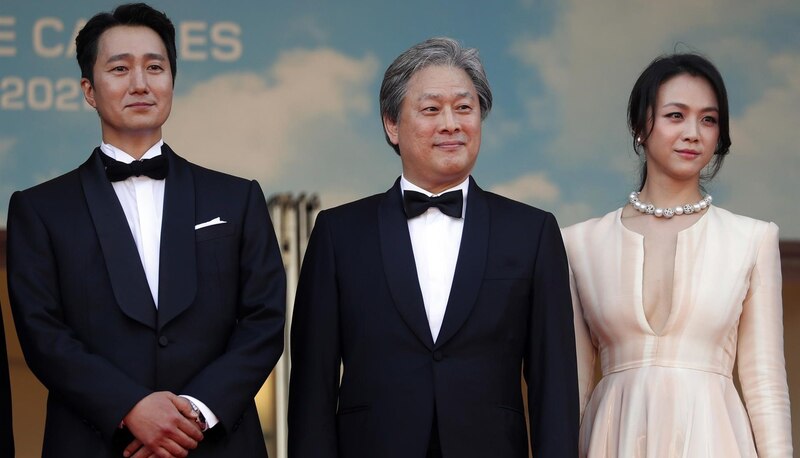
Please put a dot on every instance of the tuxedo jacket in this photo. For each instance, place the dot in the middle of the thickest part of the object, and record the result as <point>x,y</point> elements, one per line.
<point>89,328</point>
<point>509,313</point>
<point>6,429</point>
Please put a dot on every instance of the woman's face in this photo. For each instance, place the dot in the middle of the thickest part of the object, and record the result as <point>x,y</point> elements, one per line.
<point>685,129</point>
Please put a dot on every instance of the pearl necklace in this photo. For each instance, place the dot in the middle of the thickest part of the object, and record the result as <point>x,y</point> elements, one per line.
<point>669,212</point>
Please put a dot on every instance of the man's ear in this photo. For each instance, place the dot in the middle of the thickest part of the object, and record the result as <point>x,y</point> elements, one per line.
<point>391,130</point>
<point>88,92</point>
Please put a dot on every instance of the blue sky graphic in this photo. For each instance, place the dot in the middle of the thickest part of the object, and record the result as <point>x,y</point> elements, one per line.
<point>286,92</point>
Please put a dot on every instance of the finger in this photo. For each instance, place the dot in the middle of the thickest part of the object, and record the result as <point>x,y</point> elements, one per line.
<point>174,449</point>
<point>162,453</point>
<point>191,429</point>
<point>186,439</point>
<point>135,445</point>
<point>185,407</point>
<point>143,452</point>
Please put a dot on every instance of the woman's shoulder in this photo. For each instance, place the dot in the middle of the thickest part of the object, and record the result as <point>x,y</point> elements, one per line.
<point>737,222</point>
<point>593,224</point>
<point>591,233</point>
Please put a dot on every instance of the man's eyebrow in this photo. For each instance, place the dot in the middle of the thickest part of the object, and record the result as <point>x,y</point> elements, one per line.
<point>126,56</point>
<point>436,95</point>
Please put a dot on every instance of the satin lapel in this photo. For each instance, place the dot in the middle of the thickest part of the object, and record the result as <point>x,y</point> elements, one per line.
<point>470,266</point>
<point>125,270</point>
<point>177,277</point>
<point>399,265</point>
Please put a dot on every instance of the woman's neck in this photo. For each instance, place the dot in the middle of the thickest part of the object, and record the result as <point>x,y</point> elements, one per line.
<point>669,193</point>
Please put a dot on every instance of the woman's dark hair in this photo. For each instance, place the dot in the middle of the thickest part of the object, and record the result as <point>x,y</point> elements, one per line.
<point>131,14</point>
<point>642,103</point>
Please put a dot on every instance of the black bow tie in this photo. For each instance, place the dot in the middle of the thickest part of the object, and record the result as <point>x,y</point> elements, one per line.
<point>416,203</point>
<point>155,168</point>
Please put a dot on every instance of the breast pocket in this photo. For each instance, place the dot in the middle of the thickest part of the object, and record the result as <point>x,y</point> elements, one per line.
<point>217,252</point>
<point>508,264</point>
<point>214,232</point>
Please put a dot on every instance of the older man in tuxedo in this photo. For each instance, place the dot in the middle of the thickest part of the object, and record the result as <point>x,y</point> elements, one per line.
<point>148,292</point>
<point>433,297</point>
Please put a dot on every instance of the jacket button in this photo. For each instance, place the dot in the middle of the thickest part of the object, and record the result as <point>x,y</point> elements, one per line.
<point>437,355</point>
<point>163,341</point>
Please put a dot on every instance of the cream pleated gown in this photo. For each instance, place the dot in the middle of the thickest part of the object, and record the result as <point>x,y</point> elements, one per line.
<point>670,393</point>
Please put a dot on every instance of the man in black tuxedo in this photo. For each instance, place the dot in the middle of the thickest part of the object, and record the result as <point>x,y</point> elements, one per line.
<point>434,297</point>
<point>6,425</point>
<point>148,292</point>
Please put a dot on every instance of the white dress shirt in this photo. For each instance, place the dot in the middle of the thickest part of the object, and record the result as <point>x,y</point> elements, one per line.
<point>435,240</point>
<point>142,200</point>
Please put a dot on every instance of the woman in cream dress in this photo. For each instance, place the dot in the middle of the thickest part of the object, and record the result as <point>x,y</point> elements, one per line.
<point>669,291</point>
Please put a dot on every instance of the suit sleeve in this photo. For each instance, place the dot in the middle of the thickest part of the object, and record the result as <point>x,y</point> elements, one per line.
<point>313,391</point>
<point>228,384</point>
<point>6,431</point>
<point>550,367</point>
<point>90,384</point>
<point>762,369</point>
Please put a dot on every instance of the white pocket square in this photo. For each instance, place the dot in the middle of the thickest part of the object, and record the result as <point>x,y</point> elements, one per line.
<point>213,222</point>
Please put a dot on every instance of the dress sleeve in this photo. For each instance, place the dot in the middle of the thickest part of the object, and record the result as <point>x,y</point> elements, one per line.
<point>762,369</point>
<point>584,347</point>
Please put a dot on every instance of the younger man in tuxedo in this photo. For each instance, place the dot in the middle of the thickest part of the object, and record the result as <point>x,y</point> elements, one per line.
<point>148,292</point>
<point>434,297</point>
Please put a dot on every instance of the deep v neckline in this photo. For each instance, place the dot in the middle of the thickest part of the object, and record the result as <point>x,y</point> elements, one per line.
<point>639,240</point>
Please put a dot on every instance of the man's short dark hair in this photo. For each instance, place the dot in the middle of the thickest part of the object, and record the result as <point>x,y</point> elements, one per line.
<point>131,14</point>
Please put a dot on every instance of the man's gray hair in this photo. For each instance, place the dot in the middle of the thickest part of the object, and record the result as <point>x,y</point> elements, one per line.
<point>431,52</point>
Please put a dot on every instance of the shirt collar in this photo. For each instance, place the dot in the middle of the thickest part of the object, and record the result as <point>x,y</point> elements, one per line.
<point>406,185</point>
<point>115,153</point>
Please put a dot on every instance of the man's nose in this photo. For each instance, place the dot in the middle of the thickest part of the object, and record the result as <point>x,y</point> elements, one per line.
<point>449,121</point>
<point>138,82</point>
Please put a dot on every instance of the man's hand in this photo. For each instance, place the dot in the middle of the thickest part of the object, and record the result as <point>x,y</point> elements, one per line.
<point>164,426</point>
